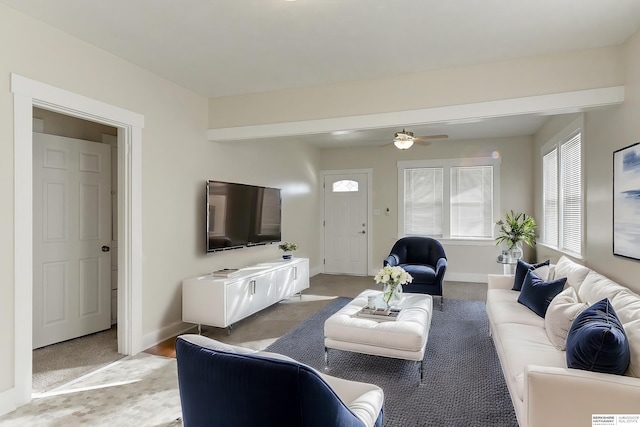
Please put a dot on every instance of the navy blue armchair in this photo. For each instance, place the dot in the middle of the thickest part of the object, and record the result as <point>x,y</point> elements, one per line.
<point>424,259</point>
<point>225,385</point>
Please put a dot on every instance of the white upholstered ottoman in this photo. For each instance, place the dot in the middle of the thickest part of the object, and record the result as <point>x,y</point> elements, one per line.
<point>404,338</point>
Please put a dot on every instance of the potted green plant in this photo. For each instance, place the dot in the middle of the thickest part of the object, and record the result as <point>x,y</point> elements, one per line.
<point>514,229</point>
<point>287,248</point>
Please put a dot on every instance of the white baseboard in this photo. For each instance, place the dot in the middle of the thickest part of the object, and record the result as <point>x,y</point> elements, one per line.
<point>466,277</point>
<point>315,271</point>
<point>8,401</point>
<point>156,337</point>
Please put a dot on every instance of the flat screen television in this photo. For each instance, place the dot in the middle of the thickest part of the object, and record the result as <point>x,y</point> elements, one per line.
<point>240,215</point>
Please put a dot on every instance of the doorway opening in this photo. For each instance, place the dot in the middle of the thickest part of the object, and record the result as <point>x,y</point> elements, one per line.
<point>75,232</point>
<point>28,94</point>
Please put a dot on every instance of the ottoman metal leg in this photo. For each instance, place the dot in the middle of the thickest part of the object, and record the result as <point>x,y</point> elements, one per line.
<point>326,359</point>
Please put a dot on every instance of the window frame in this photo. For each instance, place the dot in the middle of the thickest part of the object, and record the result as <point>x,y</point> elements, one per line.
<point>555,143</point>
<point>446,165</point>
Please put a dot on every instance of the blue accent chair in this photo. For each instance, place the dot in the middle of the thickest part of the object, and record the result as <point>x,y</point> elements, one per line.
<point>424,259</point>
<point>225,385</point>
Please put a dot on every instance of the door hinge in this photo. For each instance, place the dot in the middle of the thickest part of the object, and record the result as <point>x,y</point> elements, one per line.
<point>324,260</point>
<point>324,185</point>
<point>324,223</point>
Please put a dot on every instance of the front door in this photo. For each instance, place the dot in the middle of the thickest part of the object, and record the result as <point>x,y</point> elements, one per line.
<point>71,238</point>
<point>345,223</point>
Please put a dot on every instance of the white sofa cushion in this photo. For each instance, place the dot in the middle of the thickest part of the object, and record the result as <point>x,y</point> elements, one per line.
<point>542,272</point>
<point>560,315</point>
<point>627,305</point>
<point>596,287</point>
<point>510,310</point>
<point>527,345</point>
<point>632,330</point>
<point>574,272</point>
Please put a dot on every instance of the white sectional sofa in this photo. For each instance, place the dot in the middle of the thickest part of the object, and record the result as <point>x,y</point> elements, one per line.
<point>543,390</point>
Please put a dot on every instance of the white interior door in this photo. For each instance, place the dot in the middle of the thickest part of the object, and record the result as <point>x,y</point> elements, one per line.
<point>71,224</point>
<point>346,228</point>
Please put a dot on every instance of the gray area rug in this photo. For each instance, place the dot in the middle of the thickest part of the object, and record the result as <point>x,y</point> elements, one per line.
<point>463,384</point>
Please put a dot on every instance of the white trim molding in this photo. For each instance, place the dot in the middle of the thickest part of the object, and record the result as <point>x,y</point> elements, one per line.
<point>550,104</point>
<point>27,94</point>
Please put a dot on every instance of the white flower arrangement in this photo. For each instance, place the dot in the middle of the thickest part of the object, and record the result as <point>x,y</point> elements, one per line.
<point>391,277</point>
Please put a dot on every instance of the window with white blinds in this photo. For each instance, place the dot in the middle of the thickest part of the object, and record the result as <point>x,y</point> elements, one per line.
<point>472,202</point>
<point>423,202</point>
<point>448,198</point>
<point>562,195</point>
<point>571,193</point>
<point>550,195</point>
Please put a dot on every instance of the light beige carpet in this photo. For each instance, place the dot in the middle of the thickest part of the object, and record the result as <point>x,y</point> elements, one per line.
<point>60,363</point>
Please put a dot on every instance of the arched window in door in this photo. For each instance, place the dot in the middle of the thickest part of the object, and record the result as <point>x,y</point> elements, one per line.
<point>345,186</point>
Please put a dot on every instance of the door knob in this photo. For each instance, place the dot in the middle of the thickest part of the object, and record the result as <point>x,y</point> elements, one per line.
<point>362,232</point>
<point>106,249</point>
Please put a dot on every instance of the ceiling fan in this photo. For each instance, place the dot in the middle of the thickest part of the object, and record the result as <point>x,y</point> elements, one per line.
<point>405,139</point>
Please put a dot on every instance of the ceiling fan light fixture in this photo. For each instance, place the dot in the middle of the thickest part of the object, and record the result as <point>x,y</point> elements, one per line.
<point>403,140</point>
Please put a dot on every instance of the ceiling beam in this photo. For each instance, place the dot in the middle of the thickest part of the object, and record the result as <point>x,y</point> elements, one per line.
<point>551,104</point>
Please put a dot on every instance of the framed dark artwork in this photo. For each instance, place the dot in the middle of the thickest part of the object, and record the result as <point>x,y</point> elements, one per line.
<point>626,202</point>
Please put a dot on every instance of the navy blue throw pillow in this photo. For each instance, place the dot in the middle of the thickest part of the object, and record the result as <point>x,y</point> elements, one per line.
<point>597,342</point>
<point>522,268</point>
<point>537,294</point>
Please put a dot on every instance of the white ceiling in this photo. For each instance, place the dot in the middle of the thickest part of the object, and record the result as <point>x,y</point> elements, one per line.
<point>229,47</point>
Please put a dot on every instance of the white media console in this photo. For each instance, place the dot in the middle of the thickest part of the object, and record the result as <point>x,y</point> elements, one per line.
<point>223,301</point>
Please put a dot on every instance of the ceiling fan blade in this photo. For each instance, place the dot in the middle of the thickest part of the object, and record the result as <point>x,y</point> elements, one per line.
<point>421,142</point>
<point>425,137</point>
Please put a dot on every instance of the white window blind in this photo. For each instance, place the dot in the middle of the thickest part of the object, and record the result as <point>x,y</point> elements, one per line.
<point>550,198</point>
<point>423,202</point>
<point>472,202</point>
<point>571,193</point>
<point>562,193</point>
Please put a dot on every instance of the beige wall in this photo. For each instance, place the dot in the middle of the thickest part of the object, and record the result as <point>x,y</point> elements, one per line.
<point>176,161</point>
<point>541,75</point>
<point>605,132</point>
<point>465,262</point>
